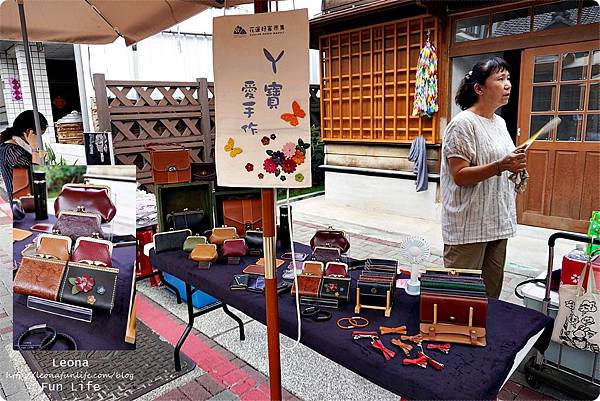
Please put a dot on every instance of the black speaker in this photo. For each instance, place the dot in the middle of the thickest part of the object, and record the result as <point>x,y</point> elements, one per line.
<point>284,228</point>
<point>40,196</point>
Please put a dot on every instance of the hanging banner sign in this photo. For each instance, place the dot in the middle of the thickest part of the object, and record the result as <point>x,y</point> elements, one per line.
<point>261,100</point>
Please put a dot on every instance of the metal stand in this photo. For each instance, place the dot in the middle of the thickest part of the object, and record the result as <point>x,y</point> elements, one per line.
<point>167,284</point>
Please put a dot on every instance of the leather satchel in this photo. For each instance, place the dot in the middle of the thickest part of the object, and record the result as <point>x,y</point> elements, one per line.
<point>325,255</point>
<point>21,183</point>
<point>93,251</point>
<point>195,220</point>
<point>308,286</point>
<point>86,198</point>
<point>51,246</point>
<point>170,164</point>
<point>254,240</point>
<point>204,253</point>
<point>330,238</point>
<point>89,286</point>
<point>193,240</point>
<point>39,277</point>
<point>170,240</point>
<point>78,224</point>
<point>220,234</point>
<point>234,248</point>
<point>243,214</point>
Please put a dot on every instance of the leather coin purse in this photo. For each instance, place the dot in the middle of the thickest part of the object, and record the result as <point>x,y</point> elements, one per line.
<point>312,268</point>
<point>93,251</point>
<point>336,269</point>
<point>220,234</point>
<point>89,286</point>
<point>324,255</point>
<point>204,253</point>
<point>193,240</point>
<point>330,238</point>
<point>170,240</point>
<point>75,224</point>
<point>92,198</point>
<point>254,240</point>
<point>27,203</point>
<point>195,220</point>
<point>39,277</point>
<point>52,246</point>
<point>234,247</point>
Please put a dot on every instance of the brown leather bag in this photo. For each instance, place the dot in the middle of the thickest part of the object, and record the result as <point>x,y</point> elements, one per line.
<point>220,234</point>
<point>21,183</point>
<point>170,164</point>
<point>243,214</point>
<point>39,277</point>
<point>204,253</point>
<point>53,247</point>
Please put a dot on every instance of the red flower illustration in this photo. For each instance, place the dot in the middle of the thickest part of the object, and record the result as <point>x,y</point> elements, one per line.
<point>249,167</point>
<point>84,283</point>
<point>261,175</point>
<point>265,140</point>
<point>288,165</point>
<point>269,165</point>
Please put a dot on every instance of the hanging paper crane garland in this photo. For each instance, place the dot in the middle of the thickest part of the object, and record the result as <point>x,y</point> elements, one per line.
<point>426,88</point>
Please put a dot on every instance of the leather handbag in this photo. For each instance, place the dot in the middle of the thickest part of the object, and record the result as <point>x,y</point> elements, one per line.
<point>193,240</point>
<point>170,164</point>
<point>78,224</point>
<point>89,286</point>
<point>330,238</point>
<point>204,253</point>
<point>21,182</point>
<point>308,286</point>
<point>234,248</point>
<point>51,246</point>
<point>195,220</point>
<point>93,251</point>
<point>312,268</point>
<point>254,240</point>
<point>336,269</point>
<point>325,255</point>
<point>170,240</point>
<point>86,198</point>
<point>220,234</point>
<point>243,214</point>
<point>28,203</point>
<point>39,277</point>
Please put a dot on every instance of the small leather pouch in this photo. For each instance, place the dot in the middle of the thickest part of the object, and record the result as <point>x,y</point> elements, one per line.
<point>170,164</point>
<point>39,277</point>
<point>195,220</point>
<point>234,247</point>
<point>254,240</point>
<point>193,240</point>
<point>308,286</point>
<point>220,234</point>
<point>78,224</point>
<point>170,240</point>
<point>89,286</point>
<point>330,238</point>
<point>93,199</point>
<point>325,255</point>
<point>312,268</point>
<point>27,203</point>
<point>204,253</point>
<point>336,269</point>
<point>93,251</point>
<point>335,287</point>
<point>51,246</point>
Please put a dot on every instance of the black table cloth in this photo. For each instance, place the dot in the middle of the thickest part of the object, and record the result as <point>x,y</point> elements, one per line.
<point>106,331</point>
<point>469,373</point>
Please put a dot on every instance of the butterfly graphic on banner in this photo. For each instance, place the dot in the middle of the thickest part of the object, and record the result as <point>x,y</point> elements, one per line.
<point>230,147</point>
<point>296,113</point>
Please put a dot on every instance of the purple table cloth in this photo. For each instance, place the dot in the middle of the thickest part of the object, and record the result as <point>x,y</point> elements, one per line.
<point>469,373</point>
<point>106,331</point>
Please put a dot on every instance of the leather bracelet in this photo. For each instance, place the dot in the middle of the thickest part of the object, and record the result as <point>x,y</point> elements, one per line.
<point>353,322</point>
<point>67,339</point>
<point>498,172</point>
<point>46,342</point>
<point>316,314</point>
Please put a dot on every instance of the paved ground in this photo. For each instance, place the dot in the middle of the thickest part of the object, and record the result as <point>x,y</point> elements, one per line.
<point>230,370</point>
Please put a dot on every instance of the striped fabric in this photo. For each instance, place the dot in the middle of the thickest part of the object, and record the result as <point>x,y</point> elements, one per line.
<point>11,156</point>
<point>485,211</point>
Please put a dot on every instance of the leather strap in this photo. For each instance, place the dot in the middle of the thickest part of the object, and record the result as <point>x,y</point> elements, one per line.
<point>387,353</point>
<point>46,342</point>
<point>392,330</point>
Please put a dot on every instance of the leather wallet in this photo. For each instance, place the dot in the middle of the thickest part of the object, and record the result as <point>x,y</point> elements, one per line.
<point>204,253</point>
<point>254,240</point>
<point>234,248</point>
<point>39,277</point>
<point>308,286</point>
<point>337,269</point>
<point>53,247</point>
<point>93,251</point>
<point>313,268</point>
<point>27,203</point>
<point>330,238</point>
<point>195,220</point>
<point>335,287</point>
<point>93,199</point>
<point>170,164</point>
<point>78,224</point>
<point>89,286</point>
<point>324,255</point>
<point>170,240</point>
<point>239,282</point>
<point>257,270</point>
<point>20,235</point>
<point>220,234</point>
<point>278,262</point>
<point>193,240</point>
<point>453,309</point>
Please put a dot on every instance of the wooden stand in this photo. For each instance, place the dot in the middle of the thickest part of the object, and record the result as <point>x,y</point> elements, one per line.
<point>387,308</point>
<point>233,260</point>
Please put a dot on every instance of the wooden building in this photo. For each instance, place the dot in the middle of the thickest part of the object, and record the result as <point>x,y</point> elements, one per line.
<point>369,51</point>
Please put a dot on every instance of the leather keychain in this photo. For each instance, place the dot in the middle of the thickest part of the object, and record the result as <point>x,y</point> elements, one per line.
<point>392,330</point>
<point>420,362</point>
<point>430,361</point>
<point>387,353</point>
<point>445,348</point>
<point>417,339</point>
<point>406,348</point>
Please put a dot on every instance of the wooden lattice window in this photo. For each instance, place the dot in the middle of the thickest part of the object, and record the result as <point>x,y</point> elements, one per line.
<point>368,82</point>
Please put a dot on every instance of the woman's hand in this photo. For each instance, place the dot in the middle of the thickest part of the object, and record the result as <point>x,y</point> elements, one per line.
<point>514,162</point>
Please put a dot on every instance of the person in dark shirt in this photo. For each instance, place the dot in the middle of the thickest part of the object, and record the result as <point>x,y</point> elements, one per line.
<point>15,147</point>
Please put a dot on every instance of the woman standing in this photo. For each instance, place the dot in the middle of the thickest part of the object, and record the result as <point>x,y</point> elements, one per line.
<point>478,198</point>
<point>15,147</point>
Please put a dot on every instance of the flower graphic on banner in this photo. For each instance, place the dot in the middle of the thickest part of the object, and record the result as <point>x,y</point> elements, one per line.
<point>286,160</point>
